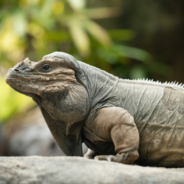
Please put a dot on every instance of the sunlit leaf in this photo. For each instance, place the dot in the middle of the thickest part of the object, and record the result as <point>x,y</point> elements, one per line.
<point>34,2</point>
<point>98,33</point>
<point>23,3</point>
<point>46,9</point>
<point>36,30</point>
<point>9,40</point>
<point>19,24</point>
<point>58,7</point>
<point>77,4</point>
<point>100,13</point>
<point>80,38</point>
<point>11,101</point>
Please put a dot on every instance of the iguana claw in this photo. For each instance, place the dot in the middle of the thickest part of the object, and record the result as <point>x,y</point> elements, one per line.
<point>126,158</point>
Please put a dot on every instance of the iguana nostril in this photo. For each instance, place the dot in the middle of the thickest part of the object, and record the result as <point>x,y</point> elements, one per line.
<point>16,70</point>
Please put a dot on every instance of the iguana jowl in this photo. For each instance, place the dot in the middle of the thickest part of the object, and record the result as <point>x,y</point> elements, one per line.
<point>119,120</point>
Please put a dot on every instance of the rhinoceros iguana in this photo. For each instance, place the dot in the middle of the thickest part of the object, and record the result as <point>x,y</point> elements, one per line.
<point>119,120</point>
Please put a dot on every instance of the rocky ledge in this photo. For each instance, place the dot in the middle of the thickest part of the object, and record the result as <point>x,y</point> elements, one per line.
<point>57,170</point>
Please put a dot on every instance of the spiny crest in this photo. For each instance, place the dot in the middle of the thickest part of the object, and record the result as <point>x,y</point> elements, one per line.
<point>175,83</point>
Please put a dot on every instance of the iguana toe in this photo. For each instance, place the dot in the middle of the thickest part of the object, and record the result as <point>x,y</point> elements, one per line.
<point>101,157</point>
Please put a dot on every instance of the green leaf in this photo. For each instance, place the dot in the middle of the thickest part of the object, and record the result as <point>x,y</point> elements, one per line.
<point>57,36</point>
<point>121,34</point>
<point>101,13</point>
<point>19,24</point>
<point>98,33</point>
<point>11,101</point>
<point>77,4</point>
<point>80,38</point>
<point>137,72</point>
<point>132,52</point>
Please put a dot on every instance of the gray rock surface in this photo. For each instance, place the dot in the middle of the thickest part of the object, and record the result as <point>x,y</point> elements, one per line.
<point>61,170</point>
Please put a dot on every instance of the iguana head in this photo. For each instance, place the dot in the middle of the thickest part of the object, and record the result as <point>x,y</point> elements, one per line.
<point>37,78</point>
<point>55,84</point>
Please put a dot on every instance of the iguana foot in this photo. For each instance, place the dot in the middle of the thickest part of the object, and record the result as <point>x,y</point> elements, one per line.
<point>125,158</point>
<point>90,154</point>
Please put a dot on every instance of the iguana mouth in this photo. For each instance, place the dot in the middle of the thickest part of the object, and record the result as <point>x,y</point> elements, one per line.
<point>18,78</point>
<point>37,79</point>
<point>12,79</point>
<point>25,93</point>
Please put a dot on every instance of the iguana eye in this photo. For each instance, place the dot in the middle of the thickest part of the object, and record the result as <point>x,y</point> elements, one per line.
<point>46,67</point>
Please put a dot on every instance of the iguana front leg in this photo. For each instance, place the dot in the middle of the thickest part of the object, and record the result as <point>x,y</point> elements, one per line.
<point>120,126</point>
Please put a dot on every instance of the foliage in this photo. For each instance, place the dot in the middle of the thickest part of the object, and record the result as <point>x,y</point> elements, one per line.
<point>11,101</point>
<point>34,28</point>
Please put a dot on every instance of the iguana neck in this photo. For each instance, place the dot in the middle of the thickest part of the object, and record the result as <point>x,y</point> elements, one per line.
<point>98,83</point>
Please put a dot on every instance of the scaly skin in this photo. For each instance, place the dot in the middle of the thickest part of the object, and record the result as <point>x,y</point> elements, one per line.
<point>119,120</point>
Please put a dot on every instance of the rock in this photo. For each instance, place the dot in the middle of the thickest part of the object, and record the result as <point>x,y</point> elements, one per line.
<point>68,170</point>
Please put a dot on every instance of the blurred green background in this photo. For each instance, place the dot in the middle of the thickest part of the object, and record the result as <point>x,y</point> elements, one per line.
<point>130,39</point>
